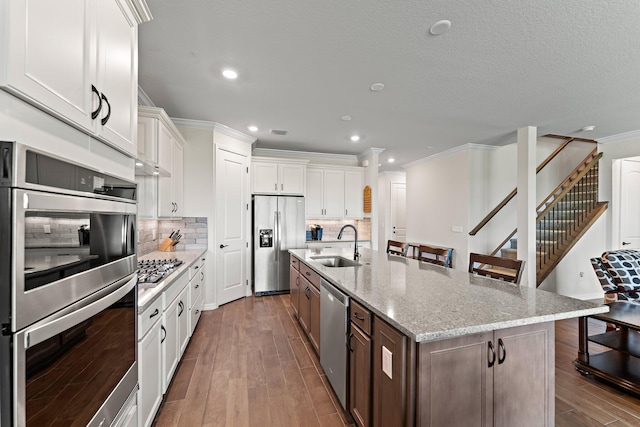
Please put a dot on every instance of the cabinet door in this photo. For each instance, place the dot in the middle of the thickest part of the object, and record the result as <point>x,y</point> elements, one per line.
<point>294,285</point>
<point>314,205</point>
<point>314,317</point>
<point>291,179</point>
<point>169,344</point>
<point>353,194</point>
<point>389,397</point>
<point>147,137</point>
<point>164,146</point>
<point>265,178</point>
<point>455,382</point>
<point>304,309</point>
<point>183,320</point>
<point>524,372</point>
<point>333,194</point>
<point>117,74</point>
<point>177,179</point>
<point>150,375</point>
<point>48,56</point>
<point>360,376</point>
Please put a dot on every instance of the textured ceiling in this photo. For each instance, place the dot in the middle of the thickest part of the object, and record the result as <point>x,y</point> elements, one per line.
<point>557,65</point>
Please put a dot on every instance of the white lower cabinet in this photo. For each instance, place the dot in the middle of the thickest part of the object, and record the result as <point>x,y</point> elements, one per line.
<point>164,329</point>
<point>183,320</point>
<point>149,363</point>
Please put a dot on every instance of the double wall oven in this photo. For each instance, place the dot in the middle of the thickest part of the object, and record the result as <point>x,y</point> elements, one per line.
<point>67,291</point>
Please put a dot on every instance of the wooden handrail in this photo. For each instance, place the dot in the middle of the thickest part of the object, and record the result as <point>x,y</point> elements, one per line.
<point>566,185</point>
<point>513,193</point>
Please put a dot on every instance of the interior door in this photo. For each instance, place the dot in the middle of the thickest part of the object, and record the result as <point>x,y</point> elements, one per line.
<point>398,209</point>
<point>231,217</point>
<point>630,204</point>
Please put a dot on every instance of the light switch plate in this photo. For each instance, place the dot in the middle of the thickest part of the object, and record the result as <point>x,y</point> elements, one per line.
<point>387,362</point>
<point>47,229</point>
<point>456,228</point>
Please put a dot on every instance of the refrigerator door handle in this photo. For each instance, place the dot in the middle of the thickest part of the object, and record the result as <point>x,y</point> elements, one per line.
<point>275,232</point>
<point>279,230</point>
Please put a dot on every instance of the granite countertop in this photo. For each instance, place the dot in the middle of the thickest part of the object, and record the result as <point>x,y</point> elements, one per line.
<point>428,302</point>
<point>148,293</point>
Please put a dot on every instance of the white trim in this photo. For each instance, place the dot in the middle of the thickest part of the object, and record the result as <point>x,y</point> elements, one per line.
<point>279,160</point>
<point>204,124</point>
<point>271,152</point>
<point>143,98</point>
<point>371,150</point>
<point>619,137</point>
<point>208,307</point>
<point>450,152</point>
<point>141,10</point>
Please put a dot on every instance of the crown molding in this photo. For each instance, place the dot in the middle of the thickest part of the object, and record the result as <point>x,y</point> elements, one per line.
<point>368,151</point>
<point>272,152</point>
<point>141,10</point>
<point>143,98</point>
<point>619,137</point>
<point>452,151</point>
<point>216,127</point>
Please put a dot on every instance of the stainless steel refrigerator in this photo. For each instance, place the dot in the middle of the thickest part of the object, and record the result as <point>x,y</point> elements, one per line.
<point>278,225</point>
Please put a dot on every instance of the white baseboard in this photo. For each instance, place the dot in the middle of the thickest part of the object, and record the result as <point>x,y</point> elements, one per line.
<point>209,307</point>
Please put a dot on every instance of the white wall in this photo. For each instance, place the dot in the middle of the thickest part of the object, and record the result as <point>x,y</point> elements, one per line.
<point>385,179</point>
<point>438,199</point>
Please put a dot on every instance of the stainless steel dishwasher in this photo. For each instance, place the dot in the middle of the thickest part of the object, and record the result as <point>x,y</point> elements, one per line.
<point>333,338</point>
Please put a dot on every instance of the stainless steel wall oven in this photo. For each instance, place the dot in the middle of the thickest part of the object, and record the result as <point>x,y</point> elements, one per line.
<point>67,291</point>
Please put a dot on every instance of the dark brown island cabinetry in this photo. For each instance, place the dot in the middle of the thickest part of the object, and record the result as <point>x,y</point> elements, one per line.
<point>360,348</point>
<point>499,378</point>
<point>306,286</point>
<point>294,282</point>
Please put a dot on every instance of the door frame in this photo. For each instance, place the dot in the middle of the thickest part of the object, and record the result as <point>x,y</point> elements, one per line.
<point>616,200</point>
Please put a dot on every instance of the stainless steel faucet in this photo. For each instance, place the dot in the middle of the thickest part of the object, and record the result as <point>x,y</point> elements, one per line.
<point>356,254</point>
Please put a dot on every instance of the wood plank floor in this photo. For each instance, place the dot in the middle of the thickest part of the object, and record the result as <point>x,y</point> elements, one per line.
<point>250,364</point>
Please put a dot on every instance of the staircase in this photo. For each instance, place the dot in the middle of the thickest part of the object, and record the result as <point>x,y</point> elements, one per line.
<point>562,218</point>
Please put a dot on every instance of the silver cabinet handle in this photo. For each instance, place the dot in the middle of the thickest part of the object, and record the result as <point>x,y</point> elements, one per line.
<point>275,186</point>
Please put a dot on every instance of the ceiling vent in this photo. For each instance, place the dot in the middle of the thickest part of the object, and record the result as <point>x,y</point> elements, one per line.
<point>279,132</point>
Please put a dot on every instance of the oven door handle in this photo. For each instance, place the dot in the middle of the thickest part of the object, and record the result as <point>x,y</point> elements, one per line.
<point>41,332</point>
<point>38,200</point>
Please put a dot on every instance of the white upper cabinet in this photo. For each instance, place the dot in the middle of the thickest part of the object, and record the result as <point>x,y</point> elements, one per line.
<point>278,177</point>
<point>353,194</point>
<point>77,60</point>
<point>334,192</point>
<point>161,149</point>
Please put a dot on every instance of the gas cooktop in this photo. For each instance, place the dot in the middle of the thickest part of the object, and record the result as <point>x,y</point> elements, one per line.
<point>151,271</point>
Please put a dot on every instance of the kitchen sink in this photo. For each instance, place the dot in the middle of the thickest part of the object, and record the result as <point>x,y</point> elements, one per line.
<point>335,261</point>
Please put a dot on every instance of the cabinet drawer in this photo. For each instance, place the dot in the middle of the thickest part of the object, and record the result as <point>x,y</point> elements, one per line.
<point>310,275</point>
<point>295,262</point>
<point>361,316</point>
<point>196,290</point>
<point>150,316</point>
<point>196,312</point>
<point>174,289</point>
<point>195,268</point>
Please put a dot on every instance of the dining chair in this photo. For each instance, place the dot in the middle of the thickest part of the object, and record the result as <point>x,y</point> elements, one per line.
<point>507,269</point>
<point>439,256</point>
<point>396,248</point>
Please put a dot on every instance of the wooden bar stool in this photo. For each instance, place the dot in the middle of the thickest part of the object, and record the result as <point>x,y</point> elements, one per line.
<point>396,248</point>
<point>509,270</point>
<point>435,255</point>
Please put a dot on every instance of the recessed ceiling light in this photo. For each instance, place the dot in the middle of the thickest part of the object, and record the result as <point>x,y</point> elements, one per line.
<point>588,128</point>
<point>377,87</point>
<point>355,138</point>
<point>391,160</point>
<point>138,164</point>
<point>253,128</point>
<point>345,118</point>
<point>440,27</point>
<point>230,74</point>
<point>379,164</point>
<point>156,173</point>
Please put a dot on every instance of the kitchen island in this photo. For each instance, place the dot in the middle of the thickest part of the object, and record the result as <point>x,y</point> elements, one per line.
<point>444,347</point>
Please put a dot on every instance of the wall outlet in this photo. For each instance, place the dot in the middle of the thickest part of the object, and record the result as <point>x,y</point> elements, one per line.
<point>387,362</point>
<point>456,228</point>
<point>47,229</point>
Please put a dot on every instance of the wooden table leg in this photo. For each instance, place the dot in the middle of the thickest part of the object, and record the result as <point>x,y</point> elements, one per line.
<point>583,339</point>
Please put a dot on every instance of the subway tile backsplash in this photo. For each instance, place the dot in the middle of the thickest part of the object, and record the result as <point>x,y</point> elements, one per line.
<point>331,228</point>
<point>152,232</point>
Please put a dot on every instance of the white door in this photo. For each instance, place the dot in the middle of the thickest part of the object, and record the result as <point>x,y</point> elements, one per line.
<point>630,204</point>
<point>231,220</point>
<point>398,209</point>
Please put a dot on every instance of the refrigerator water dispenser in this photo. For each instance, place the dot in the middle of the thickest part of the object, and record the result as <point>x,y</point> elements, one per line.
<point>266,238</point>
